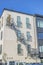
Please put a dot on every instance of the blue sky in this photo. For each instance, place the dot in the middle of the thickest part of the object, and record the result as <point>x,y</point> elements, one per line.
<point>27,6</point>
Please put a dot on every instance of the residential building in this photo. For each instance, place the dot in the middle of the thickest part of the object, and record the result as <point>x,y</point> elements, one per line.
<point>21,37</point>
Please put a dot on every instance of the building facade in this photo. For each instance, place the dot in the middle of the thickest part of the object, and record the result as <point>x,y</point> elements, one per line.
<point>21,37</point>
<point>39,26</point>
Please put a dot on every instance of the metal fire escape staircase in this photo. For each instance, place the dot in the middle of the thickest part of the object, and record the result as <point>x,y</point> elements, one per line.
<point>14,27</point>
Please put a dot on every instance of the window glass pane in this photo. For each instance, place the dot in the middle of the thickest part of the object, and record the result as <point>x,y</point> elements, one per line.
<point>40,49</point>
<point>28,49</point>
<point>40,23</point>
<point>18,33</point>
<point>27,20</point>
<point>21,63</point>
<point>28,25</point>
<point>19,49</point>
<point>11,63</point>
<point>27,64</point>
<point>18,18</point>
<point>1,35</point>
<point>29,37</point>
<point>19,23</point>
<point>40,35</point>
<point>5,64</point>
<point>16,63</point>
<point>28,34</point>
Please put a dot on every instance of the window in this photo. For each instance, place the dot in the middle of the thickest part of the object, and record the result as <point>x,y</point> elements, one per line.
<point>29,37</point>
<point>28,49</point>
<point>18,34</point>
<point>0,49</point>
<point>41,48</point>
<point>5,63</point>
<point>40,23</point>
<point>40,35</point>
<point>16,63</point>
<point>27,64</point>
<point>11,63</point>
<point>19,23</point>
<point>20,50</point>
<point>28,25</point>
<point>1,35</point>
<point>21,63</point>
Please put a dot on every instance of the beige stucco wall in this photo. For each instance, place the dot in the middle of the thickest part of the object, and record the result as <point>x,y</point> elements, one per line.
<point>10,39</point>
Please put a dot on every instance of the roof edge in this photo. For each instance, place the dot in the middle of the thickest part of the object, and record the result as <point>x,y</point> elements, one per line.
<point>35,15</point>
<point>17,11</point>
